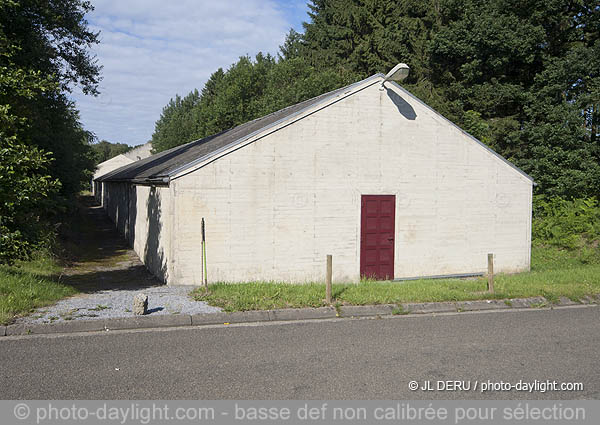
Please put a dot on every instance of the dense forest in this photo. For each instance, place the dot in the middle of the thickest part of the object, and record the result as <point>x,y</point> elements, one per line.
<point>523,76</point>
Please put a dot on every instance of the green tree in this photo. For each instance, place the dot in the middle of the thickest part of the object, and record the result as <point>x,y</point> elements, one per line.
<point>25,187</point>
<point>104,150</point>
<point>249,89</point>
<point>292,46</point>
<point>369,36</point>
<point>530,69</point>
<point>52,37</point>
<point>176,125</point>
<point>364,37</point>
<point>45,152</point>
<point>24,182</point>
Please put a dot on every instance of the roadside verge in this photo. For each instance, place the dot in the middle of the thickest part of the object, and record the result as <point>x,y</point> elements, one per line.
<point>172,320</point>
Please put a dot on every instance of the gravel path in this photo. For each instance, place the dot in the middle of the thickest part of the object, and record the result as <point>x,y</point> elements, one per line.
<point>108,274</point>
<point>111,303</point>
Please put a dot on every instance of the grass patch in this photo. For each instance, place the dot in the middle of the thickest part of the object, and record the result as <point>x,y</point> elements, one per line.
<point>264,295</point>
<point>555,273</point>
<point>28,285</point>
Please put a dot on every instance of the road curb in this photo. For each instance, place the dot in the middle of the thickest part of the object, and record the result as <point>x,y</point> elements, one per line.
<point>423,308</point>
<point>182,320</point>
<point>141,322</point>
<point>235,317</point>
<point>303,313</point>
<point>481,305</point>
<point>367,310</point>
<point>58,327</point>
<point>528,302</point>
<point>566,301</point>
<point>586,299</point>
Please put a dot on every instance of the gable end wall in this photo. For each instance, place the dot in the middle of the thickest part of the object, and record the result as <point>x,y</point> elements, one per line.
<point>276,207</point>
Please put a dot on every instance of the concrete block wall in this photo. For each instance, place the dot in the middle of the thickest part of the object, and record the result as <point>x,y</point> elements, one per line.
<point>275,208</point>
<point>142,215</point>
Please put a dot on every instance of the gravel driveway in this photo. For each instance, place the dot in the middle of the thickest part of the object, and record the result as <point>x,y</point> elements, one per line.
<point>111,303</point>
<point>108,274</point>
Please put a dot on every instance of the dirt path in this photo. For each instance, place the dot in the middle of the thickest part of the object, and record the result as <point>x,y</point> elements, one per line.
<point>108,274</point>
<point>101,258</point>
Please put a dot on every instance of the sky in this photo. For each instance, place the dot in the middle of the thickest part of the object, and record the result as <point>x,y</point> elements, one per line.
<point>152,50</point>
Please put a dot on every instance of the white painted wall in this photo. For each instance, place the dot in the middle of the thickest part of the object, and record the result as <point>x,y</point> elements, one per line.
<point>140,152</point>
<point>276,207</point>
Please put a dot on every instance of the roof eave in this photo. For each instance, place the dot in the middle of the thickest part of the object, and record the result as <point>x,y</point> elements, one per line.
<point>153,181</point>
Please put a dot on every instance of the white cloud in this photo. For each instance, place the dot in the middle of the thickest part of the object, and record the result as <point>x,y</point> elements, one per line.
<point>152,50</point>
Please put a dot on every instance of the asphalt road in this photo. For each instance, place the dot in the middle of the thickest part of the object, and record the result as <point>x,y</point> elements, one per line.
<point>337,359</point>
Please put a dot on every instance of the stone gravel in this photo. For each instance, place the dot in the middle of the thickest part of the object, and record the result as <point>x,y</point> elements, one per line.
<point>110,303</point>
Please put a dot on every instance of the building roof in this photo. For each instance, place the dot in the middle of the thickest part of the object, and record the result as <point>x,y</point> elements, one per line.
<point>122,160</point>
<point>159,168</point>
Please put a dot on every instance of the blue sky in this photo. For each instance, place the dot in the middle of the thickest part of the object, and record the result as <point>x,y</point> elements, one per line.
<point>152,50</point>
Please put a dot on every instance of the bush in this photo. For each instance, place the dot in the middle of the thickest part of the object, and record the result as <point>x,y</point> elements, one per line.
<point>25,196</point>
<point>569,224</point>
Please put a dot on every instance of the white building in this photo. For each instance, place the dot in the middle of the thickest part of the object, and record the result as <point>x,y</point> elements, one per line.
<point>367,173</point>
<point>135,154</point>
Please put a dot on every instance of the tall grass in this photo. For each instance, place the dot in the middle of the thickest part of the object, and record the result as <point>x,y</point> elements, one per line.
<point>569,224</point>
<point>27,285</point>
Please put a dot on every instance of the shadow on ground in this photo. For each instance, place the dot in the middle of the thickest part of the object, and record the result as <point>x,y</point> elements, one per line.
<point>97,257</point>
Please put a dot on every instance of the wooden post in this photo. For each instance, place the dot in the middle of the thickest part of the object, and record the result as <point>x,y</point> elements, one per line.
<point>202,254</point>
<point>491,273</point>
<point>328,280</point>
<point>204,268</point>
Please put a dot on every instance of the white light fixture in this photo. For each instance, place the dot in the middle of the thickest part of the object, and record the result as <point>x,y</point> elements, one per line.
<point>397,73</point>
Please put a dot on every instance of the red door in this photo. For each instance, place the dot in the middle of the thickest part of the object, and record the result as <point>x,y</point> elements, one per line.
<point>377,236</point>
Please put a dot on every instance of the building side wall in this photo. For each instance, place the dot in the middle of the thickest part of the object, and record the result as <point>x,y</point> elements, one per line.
<point>141,215</point>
